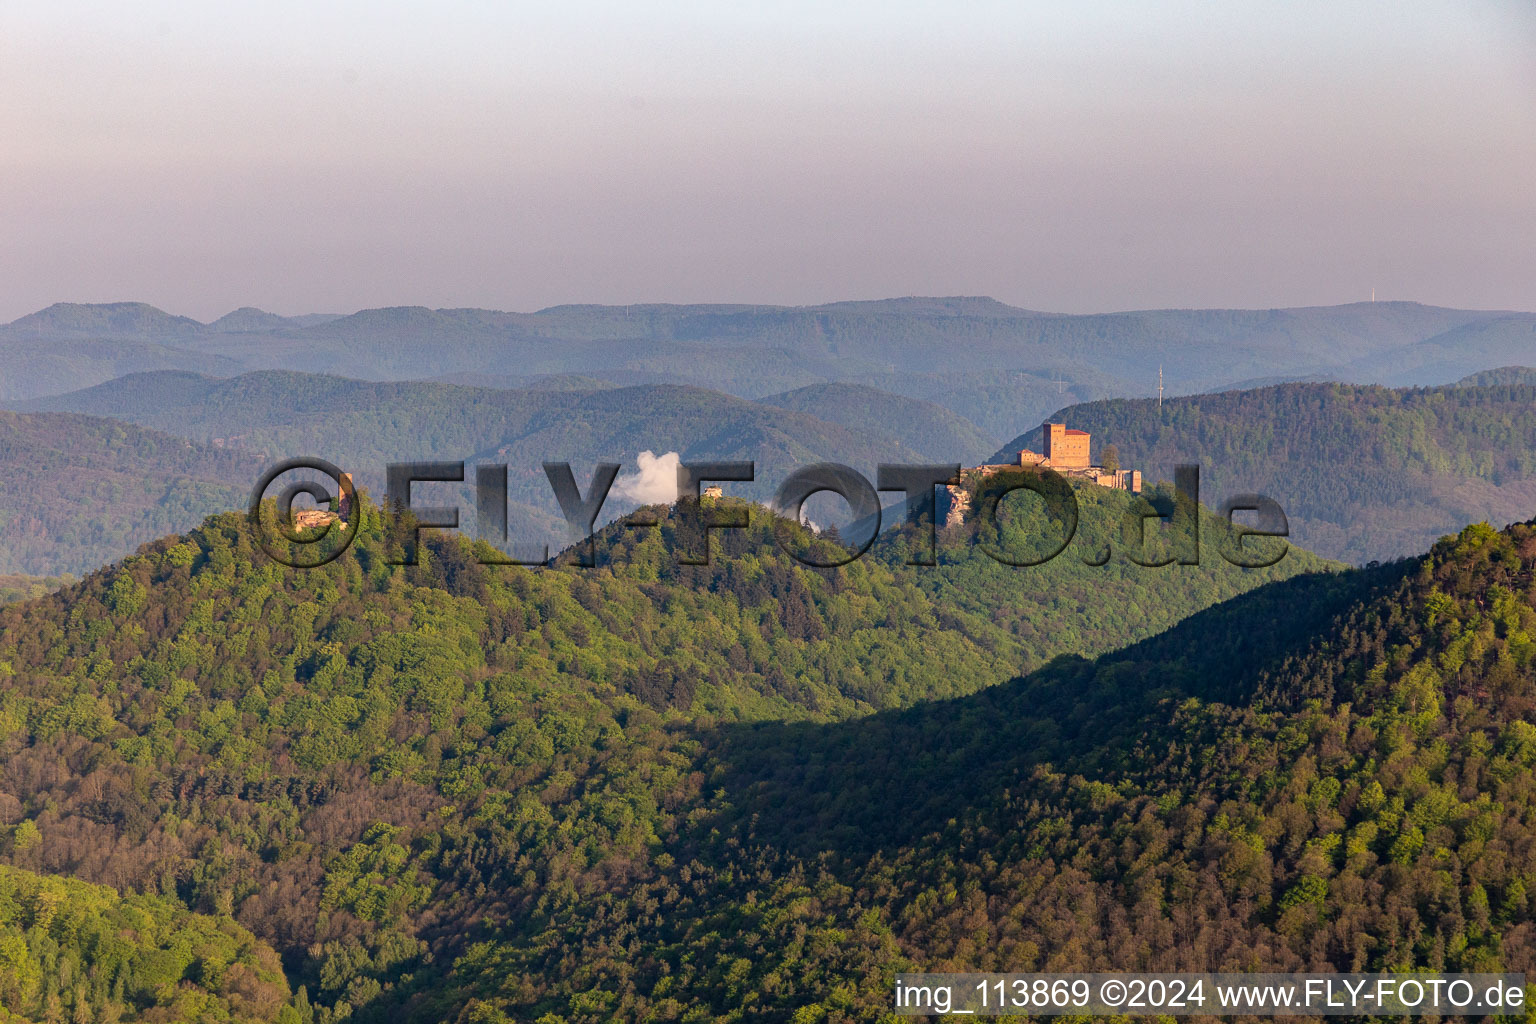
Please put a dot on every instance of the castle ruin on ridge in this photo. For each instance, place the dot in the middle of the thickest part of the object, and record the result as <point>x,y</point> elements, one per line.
<point>1066,452</point>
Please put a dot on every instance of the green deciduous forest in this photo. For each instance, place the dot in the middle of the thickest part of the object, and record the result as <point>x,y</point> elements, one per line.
<point>458,791</point>
<point>711,657</point>
<point>83,953</point>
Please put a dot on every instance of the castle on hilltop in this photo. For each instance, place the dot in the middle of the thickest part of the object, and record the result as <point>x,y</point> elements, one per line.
<point>1066,452</point>
<point>316,518</point>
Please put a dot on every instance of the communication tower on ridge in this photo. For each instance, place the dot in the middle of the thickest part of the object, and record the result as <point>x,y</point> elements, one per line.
<point>1159,385</point>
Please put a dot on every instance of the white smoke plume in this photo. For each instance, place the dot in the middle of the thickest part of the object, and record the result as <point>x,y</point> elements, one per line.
<point>655,483</point>
<point>789,513</point>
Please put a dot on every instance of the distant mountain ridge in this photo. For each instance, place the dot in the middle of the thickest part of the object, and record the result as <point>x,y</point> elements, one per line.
<point>136,320</point>
<point>936,349</point>
<point>142,322</point>
<point>249,319</point>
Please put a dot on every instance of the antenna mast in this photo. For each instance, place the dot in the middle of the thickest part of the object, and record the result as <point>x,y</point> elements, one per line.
<point>1159,385</point>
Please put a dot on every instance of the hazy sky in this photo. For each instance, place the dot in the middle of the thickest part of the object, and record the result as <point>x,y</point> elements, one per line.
<point>1074,156</point>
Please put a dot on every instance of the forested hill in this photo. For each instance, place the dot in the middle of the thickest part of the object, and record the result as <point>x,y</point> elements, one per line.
<point>1503,376</point>
<point>1362,472</point>
<point>400,776</point>
<point>1328,774</point>
<point>363,426</point>
<point>371,424</point>
<point>85,953</point>
<point>78,491</point>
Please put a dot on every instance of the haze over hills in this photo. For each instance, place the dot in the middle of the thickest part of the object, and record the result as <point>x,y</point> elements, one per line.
<point>1000,402</point>
<point>924,427</point>
<point>31,366</point>
<point>366,425</point>
<point>139,321</point>
<point>1362,472</point>
<point>1496,341</point>
<point>136,321</point>
<point>80,491</point>
<point>249,319</point>
<point>936,349</point>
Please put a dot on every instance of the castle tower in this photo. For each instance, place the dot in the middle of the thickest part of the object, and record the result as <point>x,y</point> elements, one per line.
<point>1065,449</point>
